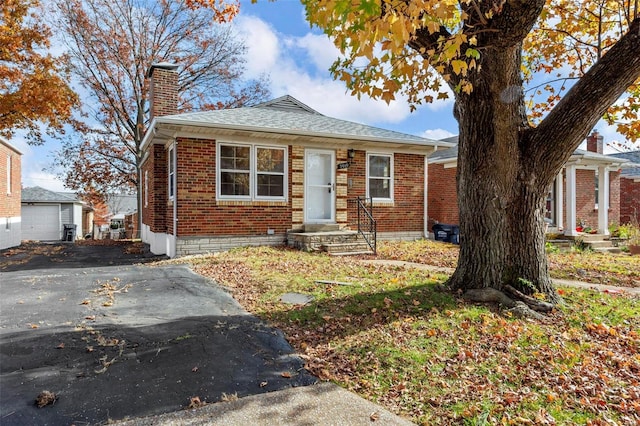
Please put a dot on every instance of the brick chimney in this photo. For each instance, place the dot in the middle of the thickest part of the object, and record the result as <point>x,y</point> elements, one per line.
<point>594,142</point>
<point>163,94</point>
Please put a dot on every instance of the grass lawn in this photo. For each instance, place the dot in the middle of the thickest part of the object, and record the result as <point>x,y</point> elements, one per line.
<point>396,337</point>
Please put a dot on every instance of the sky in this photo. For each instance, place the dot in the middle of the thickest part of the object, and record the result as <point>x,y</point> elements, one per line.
<point>282,45</point>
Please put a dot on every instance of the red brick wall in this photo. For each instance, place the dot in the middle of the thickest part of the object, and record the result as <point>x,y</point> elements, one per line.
<point>586,198</point>
<point>155,213</point>
<point>201,215</point>
<point>10,197</point>
<point>442,199</point>
<point>407,211</point>
<point>629,201</point>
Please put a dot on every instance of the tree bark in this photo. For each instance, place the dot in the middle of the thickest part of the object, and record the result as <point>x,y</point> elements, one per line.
<point>500,195</point>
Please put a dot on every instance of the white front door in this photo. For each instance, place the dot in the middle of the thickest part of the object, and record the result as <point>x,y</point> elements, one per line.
<point>319,194</point>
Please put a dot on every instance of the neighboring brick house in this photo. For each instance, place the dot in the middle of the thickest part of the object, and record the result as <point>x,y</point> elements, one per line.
<point>10,191</point>
<point>248,176</point>
<point>630,188</point>
<point>574,198</point>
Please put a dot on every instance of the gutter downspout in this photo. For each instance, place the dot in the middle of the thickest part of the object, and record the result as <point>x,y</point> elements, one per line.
<point>175,199</point>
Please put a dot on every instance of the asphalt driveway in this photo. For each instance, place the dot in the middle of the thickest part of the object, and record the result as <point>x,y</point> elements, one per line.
<point>127,340</point>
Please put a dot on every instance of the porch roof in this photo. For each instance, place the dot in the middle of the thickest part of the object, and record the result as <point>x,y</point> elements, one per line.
<point>285,116</point>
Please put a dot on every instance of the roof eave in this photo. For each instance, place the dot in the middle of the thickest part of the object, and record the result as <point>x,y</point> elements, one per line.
<point>10,145</point>
<point>157,123</point>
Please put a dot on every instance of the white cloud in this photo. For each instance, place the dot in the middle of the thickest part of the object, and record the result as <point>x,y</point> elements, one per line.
<point>262,43</point>
<point>437,134</point>
<point>42,179</point>
<point>298,66</point>
<point>319,49</point>
<point>34,161</point>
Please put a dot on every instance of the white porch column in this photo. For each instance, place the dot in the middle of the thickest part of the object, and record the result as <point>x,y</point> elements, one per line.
<point>603,200</point>
<point>559,204</point>
<point>570,229</point>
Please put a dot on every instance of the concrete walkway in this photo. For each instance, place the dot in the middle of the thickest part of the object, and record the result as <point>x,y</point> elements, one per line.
<point>320,404</point>
<point>558,282</point>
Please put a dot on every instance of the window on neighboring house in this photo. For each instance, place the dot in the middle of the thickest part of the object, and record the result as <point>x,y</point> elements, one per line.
<point>8,173</point>
<point>550,205</point>
<point>172,172</point>
<point>251,172</point>
<point>597,184</point>
<point>146,188</point>
<point>380,176</point>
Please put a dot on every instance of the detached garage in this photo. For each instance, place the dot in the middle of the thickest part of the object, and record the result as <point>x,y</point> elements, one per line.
<point>45,214</point>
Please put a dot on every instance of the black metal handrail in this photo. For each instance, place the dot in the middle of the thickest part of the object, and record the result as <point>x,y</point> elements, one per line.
<point>366,222</point>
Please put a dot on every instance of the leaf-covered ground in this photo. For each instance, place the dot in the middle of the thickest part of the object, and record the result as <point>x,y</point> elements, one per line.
<point>396,337</point>
<point>589,266</point>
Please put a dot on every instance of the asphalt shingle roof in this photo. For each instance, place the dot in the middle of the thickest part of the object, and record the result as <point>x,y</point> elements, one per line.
<point>282,115</point>
<point>38,194</point>
<point>633,157</point>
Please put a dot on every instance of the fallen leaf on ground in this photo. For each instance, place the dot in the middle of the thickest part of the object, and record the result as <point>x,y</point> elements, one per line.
<point>195,402</point>
<point>45,398</point>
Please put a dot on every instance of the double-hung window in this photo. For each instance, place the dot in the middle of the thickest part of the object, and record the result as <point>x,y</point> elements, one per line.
<point>235,171</point>
<point>9,173</point>
<point>146,188</point>
<point>251,172</point>
<point>380,177</point>
<point>172,173</point>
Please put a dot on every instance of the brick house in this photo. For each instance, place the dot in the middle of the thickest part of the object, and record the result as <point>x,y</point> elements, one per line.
<point>574,198</point>
<point>254,175</point>
<point>630,187</point>
<point>10,191</point>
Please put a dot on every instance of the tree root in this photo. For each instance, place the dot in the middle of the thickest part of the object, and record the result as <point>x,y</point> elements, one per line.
<point>516,303</point>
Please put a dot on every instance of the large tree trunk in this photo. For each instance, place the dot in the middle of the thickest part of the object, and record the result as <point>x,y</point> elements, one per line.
<point>500,191</point>
<point>505,166</point>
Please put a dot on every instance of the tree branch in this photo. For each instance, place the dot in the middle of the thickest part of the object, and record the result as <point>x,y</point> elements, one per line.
<point>587,101</point>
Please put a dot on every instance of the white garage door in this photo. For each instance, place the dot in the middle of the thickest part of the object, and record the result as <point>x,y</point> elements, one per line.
<point>41,222</point>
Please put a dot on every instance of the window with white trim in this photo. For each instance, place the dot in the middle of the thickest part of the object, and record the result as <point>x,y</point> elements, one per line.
<point>172,172</point>
<point>235,171</point>
<point>8,173</point>
<point>146,188</point>
<point>251,172</point>
<point>380,177</point>
<point>270,169</point>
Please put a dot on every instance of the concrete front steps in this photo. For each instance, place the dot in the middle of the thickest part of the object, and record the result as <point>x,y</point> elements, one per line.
<point>328,238</point>
<point>597,242</point>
